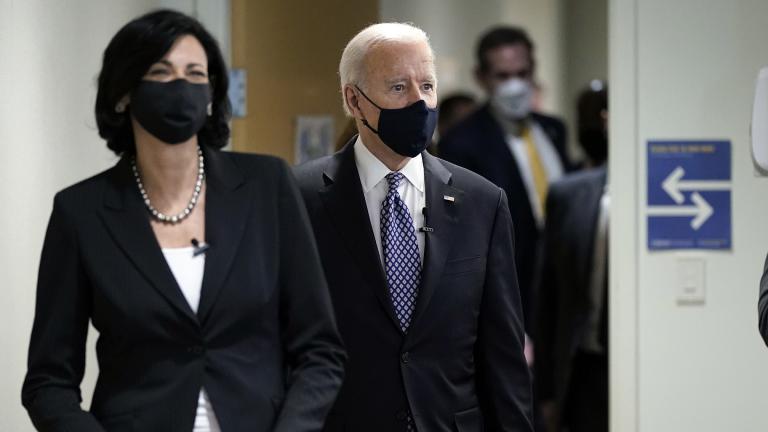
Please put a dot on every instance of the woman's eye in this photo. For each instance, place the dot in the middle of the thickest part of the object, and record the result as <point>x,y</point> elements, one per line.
<point>198,73</point>
<point>158,72</point>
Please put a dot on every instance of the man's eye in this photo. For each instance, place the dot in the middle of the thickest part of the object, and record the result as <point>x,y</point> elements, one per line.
<point>398,87</point>
<point>429,86</point>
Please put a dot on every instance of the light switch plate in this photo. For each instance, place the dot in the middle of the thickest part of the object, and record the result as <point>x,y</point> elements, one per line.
<point>691,277</point>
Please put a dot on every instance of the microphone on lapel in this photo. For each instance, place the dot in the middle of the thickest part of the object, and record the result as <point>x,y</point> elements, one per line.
<point>426,228</point>
<point>198,248</point>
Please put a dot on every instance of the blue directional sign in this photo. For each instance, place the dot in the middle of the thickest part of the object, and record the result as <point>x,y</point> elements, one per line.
<point>689,195</point>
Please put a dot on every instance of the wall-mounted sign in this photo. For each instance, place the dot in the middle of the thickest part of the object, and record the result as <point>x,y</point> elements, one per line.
<point>689,195</point>
<point>314,137</point>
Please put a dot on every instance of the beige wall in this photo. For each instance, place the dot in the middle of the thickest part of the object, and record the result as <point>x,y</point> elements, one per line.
<point>685,70</point>
<point>291,52</point>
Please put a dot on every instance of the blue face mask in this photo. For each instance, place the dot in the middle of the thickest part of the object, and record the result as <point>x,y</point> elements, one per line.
<point>407,131</point>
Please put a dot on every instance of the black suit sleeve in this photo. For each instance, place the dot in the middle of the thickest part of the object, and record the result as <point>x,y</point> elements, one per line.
<point>546,304</point>
<point>504,382</point>
<point>51,391</point>
<point>310,337</point>
<point>763,303</point>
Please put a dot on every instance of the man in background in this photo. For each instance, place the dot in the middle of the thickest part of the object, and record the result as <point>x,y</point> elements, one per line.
<point>572,334</point>
<point>520,151</point>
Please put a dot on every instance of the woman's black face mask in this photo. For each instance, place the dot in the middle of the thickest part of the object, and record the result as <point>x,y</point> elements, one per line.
<point>171,111</point>
<point>407,131</point>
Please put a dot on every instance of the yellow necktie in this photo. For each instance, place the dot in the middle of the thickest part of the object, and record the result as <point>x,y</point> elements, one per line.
<point>540,181</point>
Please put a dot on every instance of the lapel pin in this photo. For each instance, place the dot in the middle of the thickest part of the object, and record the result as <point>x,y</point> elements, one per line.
<point>449,198</point>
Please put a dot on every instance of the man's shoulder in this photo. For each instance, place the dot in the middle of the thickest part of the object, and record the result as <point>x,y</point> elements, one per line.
<point>573,182</point>
<point>478,123</point>
<point>311,173</point>
<point>546,119</point>
<point>553,126</point>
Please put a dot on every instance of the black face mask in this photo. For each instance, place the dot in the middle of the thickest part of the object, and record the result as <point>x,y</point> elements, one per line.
<point>407,131</point>
<point>171,111</point>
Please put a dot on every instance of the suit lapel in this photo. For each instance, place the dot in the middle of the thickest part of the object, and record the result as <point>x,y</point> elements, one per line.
<point>343,198</point>
<point>442,216</point>
<point>227,207</point>
<point>127,221</point>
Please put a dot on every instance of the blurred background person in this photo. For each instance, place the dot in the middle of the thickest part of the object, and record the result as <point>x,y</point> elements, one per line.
<point>197,267</point>
<point>519,150</point>
<point>572,332</point>
<point>592,123</point>
<point>453,109</point>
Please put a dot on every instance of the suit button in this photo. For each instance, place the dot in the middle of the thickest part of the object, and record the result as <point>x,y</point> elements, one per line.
<point>405,357</point>
<point>197,349</point>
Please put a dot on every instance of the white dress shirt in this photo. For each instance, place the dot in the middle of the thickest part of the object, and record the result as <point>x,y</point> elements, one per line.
<point>373,174</point>
<point>188,271</point>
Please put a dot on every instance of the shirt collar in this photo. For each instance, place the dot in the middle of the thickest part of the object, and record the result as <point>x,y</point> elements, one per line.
<point>373,171</point>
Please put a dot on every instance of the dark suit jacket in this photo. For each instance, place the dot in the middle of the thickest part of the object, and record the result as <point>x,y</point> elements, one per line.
<point>478,144</point>
<point>573,208</point>
<point>763,304</point>
<point>264,343</point>
<point>461,362</point>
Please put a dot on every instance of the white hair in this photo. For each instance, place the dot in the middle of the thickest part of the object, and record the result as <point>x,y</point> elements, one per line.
<point>352,64</point>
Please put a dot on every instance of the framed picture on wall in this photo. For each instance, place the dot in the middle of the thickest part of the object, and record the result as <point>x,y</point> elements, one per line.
<point>314,137</point>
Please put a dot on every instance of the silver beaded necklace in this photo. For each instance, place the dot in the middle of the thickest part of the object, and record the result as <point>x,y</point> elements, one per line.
<point>172,219</point>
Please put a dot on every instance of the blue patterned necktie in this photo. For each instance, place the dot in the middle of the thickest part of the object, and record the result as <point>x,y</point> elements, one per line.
<point>402,263</point>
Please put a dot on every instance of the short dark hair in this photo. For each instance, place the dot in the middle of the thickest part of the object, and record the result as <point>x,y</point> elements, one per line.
<point>500,36</point>
<point>591,103</point>
<point>450,103</point>
<point>130,53</point>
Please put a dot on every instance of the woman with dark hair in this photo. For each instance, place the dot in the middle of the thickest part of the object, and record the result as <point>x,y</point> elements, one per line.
<point>197,267</point>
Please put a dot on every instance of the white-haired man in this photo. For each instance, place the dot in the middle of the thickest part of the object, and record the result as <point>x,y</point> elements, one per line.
<point>418,254</point>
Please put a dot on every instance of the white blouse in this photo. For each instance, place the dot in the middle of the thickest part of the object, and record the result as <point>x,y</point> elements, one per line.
<point>188,271</point>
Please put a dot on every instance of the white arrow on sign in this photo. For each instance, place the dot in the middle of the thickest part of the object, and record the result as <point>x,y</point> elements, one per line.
<point>701,211</point>
<point>674,186</point>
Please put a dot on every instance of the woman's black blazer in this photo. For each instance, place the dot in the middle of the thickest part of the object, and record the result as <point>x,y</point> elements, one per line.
<point>263,343</point>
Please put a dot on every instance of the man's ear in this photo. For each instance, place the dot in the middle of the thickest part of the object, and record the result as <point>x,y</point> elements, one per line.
<point>352,100</point>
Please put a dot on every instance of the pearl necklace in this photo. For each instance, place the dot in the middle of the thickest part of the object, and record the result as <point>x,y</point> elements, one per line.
<point>174,219</point>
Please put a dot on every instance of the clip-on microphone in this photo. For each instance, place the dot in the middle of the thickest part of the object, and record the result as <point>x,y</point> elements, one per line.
<point>198,248</point>
<point>425,228</point>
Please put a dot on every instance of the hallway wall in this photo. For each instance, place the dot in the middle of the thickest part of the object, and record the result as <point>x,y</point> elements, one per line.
<point>685,70</point>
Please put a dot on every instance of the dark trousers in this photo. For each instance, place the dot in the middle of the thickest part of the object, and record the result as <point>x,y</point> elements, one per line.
<point>586,406</point>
